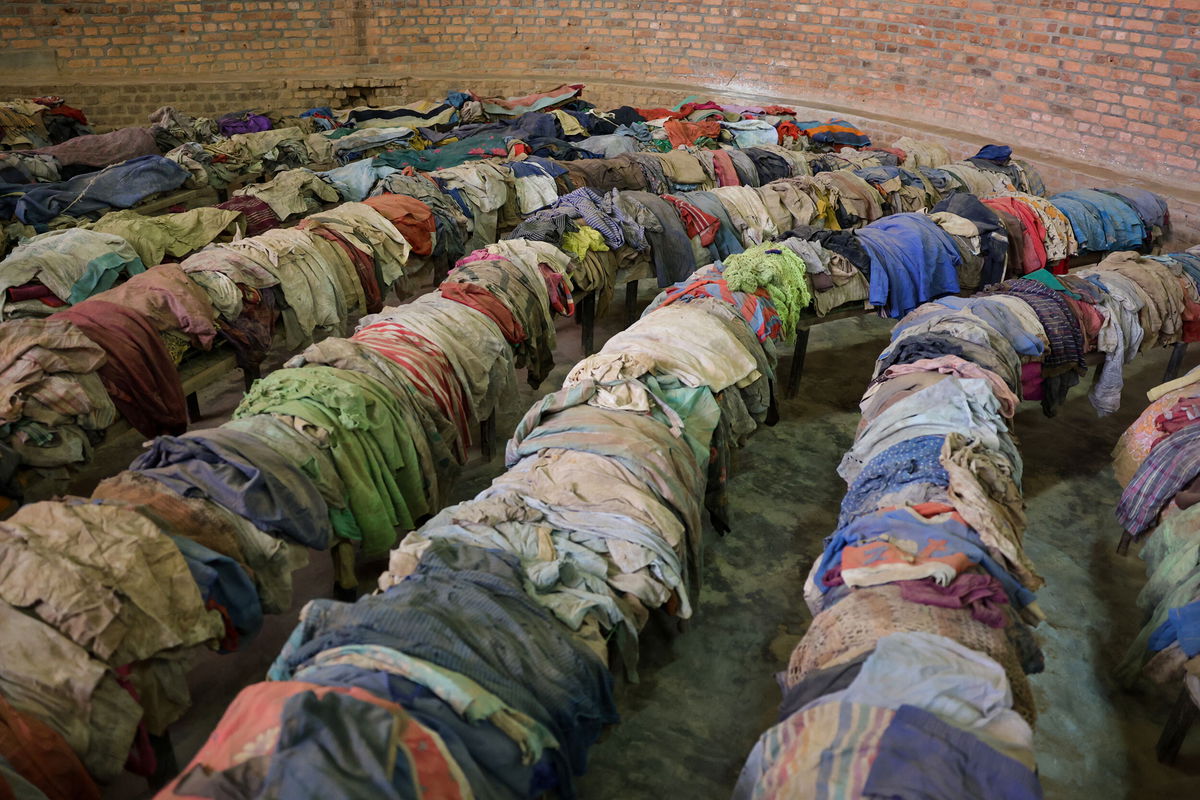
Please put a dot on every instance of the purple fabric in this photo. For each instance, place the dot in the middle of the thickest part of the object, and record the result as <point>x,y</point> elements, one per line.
<point>243,123</point>
<point>983,594</point>
<point>921,756</point>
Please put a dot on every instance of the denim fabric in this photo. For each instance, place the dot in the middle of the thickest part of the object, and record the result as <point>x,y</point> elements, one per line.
<point>921,756</point>
<point>223,580</point>
<point>911,461</point>
<point>465,609</point>
<point>912,261</point>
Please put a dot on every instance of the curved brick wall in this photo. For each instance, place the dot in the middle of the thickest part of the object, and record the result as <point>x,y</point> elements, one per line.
<point>1112,84</point>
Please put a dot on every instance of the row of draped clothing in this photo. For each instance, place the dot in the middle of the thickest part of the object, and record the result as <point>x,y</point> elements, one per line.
<point>1157,463</point>
<point>911,679</point>
<point>342,261</point>
<point>336,264</point>
<point>482,666</point>
<point>354,439</point>
<point>378,463</point>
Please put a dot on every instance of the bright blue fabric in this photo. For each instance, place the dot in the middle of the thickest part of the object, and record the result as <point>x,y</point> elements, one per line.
<point>912,261</point>
<point>1183,625</point>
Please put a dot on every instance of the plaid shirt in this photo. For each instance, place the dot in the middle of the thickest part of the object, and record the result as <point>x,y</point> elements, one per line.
<point>1173,463</point>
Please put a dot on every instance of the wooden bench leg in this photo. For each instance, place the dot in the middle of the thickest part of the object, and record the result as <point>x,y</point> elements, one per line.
<point>631,297</point>
<point>586,312</point>
<point>1182,715</point>
<point>487,437</point>
<point>166,766</point>
<point>797,369</point>
<point>345,580</point>
<point>193,407</point>
<point>1174,362</point>
<point>250,375</point>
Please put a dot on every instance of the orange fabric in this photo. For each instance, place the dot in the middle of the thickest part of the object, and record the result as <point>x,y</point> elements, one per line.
<point>411,217</point>
<point>686,133</point>
<point>42,757</point>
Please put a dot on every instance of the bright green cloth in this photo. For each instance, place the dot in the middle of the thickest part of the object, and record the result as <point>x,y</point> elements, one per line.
<point>780,270</point>
<point>370,445</point>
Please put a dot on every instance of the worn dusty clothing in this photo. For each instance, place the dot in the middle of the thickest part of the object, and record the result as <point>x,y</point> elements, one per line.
<point>295,191</point>
<point>124,592</point>
<point>73,264</point>
<point>139,374</point>
<point>167,234</point>
<point>41,362</point>
<point>166,298</point>
<point>682,340</point>
<point>45,674</point>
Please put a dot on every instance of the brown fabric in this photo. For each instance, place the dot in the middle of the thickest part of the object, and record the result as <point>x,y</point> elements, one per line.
<point>411,217</point>
<point>170,300</point>
<point>190,517</point>
<point>139,374</point>
<point>364,265</point>
<point>606,174</point>
<point>1016,241</point>
<point>103,149</point>
<point>39,755</point>
<point>853,626</point>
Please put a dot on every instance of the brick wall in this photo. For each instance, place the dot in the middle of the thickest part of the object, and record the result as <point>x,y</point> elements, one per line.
<point>1113,85</point>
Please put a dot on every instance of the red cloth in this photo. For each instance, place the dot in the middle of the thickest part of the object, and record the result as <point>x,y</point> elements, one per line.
<point>561,301</point>
<point>1090,321</point>
<point>695,221</point>
<point>428,367</point>
<point>411,217</point>
<point>34,291</point>
<point>1033,255</point>
<point>259,216</point>
<point>686,133</point>
<point>723,166</point>
<point>487,303</point>
<point>786,129</point>
<point>364,265</point>
<point>779,111</point>
<point>139,375</point>
<point>41,756</point>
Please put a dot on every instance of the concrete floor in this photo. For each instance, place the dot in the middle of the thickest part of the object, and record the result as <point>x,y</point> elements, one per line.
<point>706,695</point>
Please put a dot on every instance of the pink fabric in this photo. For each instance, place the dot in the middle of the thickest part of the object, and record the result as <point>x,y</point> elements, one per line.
<point>953,365</point>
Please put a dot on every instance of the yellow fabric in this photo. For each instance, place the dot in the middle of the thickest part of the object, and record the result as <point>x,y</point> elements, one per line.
<point>578,243</point>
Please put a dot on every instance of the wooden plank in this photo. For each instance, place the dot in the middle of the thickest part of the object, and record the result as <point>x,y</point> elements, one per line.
<point>191,198</point>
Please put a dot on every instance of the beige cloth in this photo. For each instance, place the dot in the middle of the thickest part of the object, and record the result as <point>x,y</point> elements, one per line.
<point>45,674</point>
<point>294,191</point>
<point>984,493</point>
<point>104,576</point>
<point>690,344</point>
<point>616,375</point>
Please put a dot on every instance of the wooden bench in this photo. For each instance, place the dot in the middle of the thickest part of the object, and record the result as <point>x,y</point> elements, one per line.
<point>188,198</point>
<point>1182,716</point>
